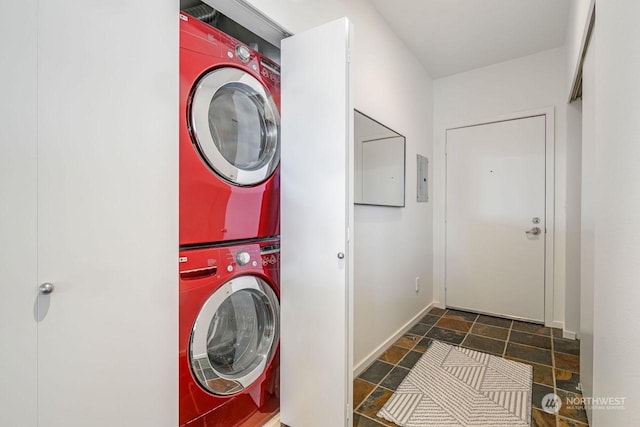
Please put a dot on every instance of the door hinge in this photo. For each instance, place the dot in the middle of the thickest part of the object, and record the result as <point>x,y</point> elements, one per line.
<point>349,56</point>
<point>348,234</point>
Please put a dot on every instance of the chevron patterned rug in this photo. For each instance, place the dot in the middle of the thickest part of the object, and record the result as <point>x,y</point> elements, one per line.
<point>453,386</point>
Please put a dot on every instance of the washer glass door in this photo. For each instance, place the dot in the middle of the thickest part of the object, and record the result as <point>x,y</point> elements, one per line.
<point>236,126</point>
<point>235,335</point>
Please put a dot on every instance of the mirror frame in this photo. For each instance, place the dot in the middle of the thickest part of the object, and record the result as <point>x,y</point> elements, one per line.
<point>404,163</point>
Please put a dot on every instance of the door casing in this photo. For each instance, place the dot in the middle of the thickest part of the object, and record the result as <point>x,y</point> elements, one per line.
<point>439,211</point>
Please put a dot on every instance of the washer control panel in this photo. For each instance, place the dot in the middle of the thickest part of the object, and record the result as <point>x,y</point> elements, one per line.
<point>243,258</point>
<point>243,53</point>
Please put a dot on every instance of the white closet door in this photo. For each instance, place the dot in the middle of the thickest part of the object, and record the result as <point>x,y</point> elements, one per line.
<point>317,214</point>
<point>107,216</point>
<point>496,218</point>
<point>18,207</point>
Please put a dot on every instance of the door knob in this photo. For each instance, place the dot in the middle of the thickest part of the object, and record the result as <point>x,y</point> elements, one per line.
<point>46,288</point>
<point>534,231</point>
<point>340,255</point>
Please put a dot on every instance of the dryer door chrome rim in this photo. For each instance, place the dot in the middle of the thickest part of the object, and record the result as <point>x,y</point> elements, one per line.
<point>236,126</point>
<point>235,335</point>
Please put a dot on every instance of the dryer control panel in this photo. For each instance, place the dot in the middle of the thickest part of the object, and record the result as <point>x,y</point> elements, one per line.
<point>240,257</point>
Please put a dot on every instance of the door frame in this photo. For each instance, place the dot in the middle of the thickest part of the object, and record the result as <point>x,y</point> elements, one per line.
<point>439,210</point>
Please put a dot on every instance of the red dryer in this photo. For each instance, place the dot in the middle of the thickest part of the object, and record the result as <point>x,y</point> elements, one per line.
<point>229,335</point>
<point>229,138</point>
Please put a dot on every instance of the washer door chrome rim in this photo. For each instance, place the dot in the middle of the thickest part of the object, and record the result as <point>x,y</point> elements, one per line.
<point>236,126</point>
<point>235,335</point>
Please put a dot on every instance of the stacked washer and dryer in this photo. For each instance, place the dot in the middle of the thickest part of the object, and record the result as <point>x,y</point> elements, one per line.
<point>229,230</point>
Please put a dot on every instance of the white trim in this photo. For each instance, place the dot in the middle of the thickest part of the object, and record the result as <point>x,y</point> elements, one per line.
<point>555,324</point>
<point>250,17</point>
<point>569,335</point>
<point>273,422</point>
<point>364,363</point>
<point>550,167</point>
<point>583,48</point>
<point>439,209</point>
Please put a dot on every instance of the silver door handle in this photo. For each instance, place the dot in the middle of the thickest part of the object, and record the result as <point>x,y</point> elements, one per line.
<point>535,231</point>
<point>46,288</point>
<point>340,255</point>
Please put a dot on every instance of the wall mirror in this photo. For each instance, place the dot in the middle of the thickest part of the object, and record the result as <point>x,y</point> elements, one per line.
<point>379,163</point>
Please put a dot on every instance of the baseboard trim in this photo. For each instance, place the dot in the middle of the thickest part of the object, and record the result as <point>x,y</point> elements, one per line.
<point>273,422</point>
<point>565,333</point>
<point>364,363</point>
<point>556,324</point>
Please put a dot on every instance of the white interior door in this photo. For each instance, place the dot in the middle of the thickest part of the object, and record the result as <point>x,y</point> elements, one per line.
<point>317,214</point>
<point>18,220</point>
<point>495,203</point>
<point>107,214</point>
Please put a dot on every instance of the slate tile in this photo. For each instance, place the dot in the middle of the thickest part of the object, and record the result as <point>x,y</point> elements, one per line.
<point>393,354</point>
<point>531,354</point>
<point>394,378</point>
<point>490,331</point>
<point>567,346</point>
<point>376,372</point>
<point>484,344</point>
<point>530,339</point>
<point>454,324</point>
<point>361,389</point>
<point>446,335</point>
<point>568,362</point>
<point>494,321</point>
<point>532,328</point>
<point>461,315</point>
<point>410,359</point>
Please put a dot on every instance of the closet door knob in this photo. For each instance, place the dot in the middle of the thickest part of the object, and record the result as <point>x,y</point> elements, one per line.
<point>340,255</point>
<point>46,288</point>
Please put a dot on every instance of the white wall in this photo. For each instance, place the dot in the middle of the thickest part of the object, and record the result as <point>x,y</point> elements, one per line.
<point>522,84</point>
<point>393,246</point>
<point>617,210</point>
<point>579,18</point>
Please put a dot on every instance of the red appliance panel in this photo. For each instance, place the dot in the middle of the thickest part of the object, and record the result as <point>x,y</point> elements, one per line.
<point>202,273</point>
<point>213,208</point>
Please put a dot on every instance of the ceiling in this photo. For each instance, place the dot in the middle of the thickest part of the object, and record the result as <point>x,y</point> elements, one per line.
<point>452,36</point>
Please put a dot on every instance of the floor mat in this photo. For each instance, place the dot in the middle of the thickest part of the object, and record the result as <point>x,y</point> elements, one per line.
<point>453,386</point>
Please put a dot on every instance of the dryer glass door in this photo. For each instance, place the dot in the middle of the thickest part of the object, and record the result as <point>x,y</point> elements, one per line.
<point>235,335</point>
<point>236,126</point>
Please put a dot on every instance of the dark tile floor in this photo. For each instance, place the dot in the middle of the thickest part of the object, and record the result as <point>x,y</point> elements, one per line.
<point>555,362</point>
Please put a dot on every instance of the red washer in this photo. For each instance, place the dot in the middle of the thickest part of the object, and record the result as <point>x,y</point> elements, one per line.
<point>229,138</point>
<point>229,360</point>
